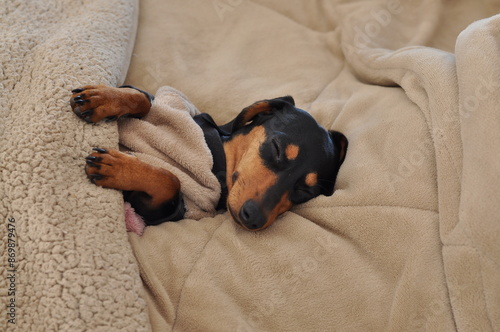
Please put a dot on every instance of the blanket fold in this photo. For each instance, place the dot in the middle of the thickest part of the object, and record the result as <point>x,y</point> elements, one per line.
<point>471,247</point>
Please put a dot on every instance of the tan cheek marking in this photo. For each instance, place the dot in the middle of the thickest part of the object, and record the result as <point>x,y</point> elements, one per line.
<point>311,179</point>
<point>233,153</point>
<point>242,155</point>
<point>292,151</point>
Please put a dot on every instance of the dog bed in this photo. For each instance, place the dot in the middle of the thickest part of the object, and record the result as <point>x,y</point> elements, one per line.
<point>408,241</point>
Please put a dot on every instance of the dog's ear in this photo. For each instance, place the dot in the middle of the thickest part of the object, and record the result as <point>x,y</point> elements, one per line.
<point>340,143</point>
<point>263,107</point>
<point>285,99</point>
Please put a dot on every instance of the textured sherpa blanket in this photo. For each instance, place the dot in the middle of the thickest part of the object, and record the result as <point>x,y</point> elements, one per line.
<point>65,261</point>
<point>169,138</point>
<point>410,240</point>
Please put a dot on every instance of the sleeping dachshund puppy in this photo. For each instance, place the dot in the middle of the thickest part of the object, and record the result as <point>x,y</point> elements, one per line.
<point>273,155</point>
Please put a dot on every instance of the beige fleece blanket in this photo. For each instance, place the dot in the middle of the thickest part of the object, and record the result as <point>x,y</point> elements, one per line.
<point>169,138</point>
<point>410,239</point>
<point>65,261</point>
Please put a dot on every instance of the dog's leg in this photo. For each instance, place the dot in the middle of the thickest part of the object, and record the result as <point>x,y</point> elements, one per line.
<point>154,191</point>
<point>95,103</point>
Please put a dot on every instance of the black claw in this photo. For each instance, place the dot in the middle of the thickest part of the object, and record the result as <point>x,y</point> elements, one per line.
<point>94,158</point>
<point>88,112</point>
<point>95,177</point>
<point>111,118</point>
<point>91,164</point>
<point>77,90</point>
<point>81,101</point>
<point>85,115</point>
<point>100,150</point>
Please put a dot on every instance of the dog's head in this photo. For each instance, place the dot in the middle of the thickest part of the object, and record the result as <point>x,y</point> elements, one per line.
<point>278,156</point>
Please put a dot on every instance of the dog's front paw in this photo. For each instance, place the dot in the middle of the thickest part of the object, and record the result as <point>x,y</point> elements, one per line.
<point>111,168</point>
<point>91,104</point>
<point>94,103</point>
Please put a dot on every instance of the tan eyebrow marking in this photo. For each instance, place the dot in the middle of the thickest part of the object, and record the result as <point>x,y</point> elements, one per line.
<point>311,179</point>
<point>292,151</point>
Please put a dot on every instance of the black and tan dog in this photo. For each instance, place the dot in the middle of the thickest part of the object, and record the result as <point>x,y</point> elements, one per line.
<point>273,155</point>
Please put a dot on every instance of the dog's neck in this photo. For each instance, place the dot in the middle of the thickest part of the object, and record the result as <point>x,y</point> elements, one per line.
<point>213,138</point>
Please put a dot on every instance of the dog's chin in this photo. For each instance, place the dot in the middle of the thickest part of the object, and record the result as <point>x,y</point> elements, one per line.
<point>237,220</point>
<point>235,217</point>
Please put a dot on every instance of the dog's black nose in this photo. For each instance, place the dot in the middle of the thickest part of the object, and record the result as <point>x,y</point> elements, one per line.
<point>251,215</point>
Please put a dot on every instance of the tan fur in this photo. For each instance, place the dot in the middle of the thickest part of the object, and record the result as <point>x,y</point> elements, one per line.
<point>126,172</point>
<point>108,102</point>
<point>292,151</point>
<point>311,179</point>
<point>242,156</point>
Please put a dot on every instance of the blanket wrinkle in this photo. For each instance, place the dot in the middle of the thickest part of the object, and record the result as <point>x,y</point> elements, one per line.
<point>319,206</point>
<point>188,275</point>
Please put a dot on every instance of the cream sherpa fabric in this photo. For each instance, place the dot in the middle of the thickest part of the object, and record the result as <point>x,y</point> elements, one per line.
<point>169,138</point>
<point>74,270</point>
<point>410,239</point>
